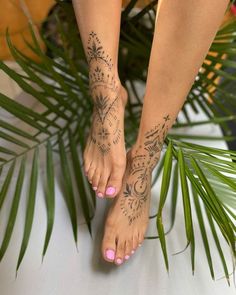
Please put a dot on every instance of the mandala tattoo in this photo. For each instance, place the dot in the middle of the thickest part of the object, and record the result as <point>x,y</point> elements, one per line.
<point>140,168</point>
<point>104,91</point>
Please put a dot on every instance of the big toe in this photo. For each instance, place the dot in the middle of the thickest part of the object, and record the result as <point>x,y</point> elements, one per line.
<point>109,247</point>
<point>115,181</point>
<point>102,184</point>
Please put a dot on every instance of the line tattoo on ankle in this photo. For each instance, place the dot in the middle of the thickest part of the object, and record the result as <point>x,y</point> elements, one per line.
<point>141,165</point>
<point>104,89</point>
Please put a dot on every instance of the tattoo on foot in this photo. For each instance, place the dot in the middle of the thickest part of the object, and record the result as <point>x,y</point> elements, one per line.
<point>104,90</point>
<point>146,156</point>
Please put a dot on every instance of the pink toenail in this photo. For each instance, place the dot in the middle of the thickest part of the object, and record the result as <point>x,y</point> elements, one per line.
<point>110,254</point>
<point>100,195</point>
<point>95,188</point>
<point>139,245</point>
<point>119,261</point>
<point>127,257</point>
<point>132,252</point>
<point>110,191</point>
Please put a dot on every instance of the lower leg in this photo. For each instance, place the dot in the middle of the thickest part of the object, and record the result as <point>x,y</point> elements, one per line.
<point>104,155</point>
<point>183,34</point>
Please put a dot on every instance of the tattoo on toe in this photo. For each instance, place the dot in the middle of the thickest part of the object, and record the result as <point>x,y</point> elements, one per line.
<point>137,191</point>
<point>106,130</point>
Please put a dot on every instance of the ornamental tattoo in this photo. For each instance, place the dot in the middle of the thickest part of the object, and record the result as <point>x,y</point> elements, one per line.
<point>140,169</point>
<point>104,90</point>
<point>96,51</point>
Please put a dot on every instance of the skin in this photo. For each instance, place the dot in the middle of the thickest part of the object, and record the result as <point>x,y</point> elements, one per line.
<point>106,139</point>
<point>183,34</point>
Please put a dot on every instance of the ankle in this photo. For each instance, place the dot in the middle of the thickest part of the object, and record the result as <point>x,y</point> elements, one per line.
<point>151,136</point>
<point>143,156</point>
<point>148,146</point>
<point>108,88</point>
<point>100,77</point>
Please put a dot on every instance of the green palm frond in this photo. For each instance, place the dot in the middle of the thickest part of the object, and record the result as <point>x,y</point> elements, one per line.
<point>60,86</point>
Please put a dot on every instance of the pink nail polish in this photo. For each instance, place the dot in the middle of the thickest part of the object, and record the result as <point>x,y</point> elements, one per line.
<point>110,254</point>
<point>139,245</point>
<point>127,257</point>
<point>100,195</point>
<point>110,191</point>
<point>95,188</point>
<point>132,252</point>
<point>119,260</point>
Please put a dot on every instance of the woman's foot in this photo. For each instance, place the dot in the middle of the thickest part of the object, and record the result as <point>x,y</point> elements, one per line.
<point>128,215</point>
<point>105,155</point>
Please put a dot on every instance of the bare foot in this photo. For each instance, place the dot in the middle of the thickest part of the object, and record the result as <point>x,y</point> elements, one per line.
<point>128,215</point>
<point>105,155</point>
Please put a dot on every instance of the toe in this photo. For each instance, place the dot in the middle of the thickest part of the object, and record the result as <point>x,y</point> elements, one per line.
<point>86,166</point>
<point>120,252</point>
<point>114,183</point>
<point>91,173</point>
<point>140,239</point>
<point>109,247</point>
<point>128,249</point>
<point>95,180</point>
<point>102,184</point>
<point>86,160</point>
<point>135,242</point>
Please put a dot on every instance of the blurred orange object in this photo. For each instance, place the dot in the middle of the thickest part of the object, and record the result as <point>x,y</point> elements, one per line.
<point>15,15</point>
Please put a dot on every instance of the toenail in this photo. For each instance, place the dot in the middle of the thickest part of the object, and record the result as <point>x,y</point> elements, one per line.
<point>119,260</point>
<point>139,245</point>
<point>110,191</point>
<point>110,254</point>
<point>100,195</point>
<point>132,252</point>
<point>127,257</point>
<point>95,188</point>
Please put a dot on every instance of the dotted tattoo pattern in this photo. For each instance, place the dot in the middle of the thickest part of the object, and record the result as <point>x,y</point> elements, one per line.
<point>140,168</point>
<point>106,129</point>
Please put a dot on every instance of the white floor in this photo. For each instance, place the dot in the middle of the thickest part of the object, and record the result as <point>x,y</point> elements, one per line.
<point>66,271</point>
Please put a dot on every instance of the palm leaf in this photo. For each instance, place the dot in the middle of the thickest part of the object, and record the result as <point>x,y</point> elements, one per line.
<point>6,184</point>
<point>30,208</point>
<point>203,231</point>
<point>79,181</point>
<point>68,187</point>
<point>164,190</point>
<point>14,209</point>
<point>50,196</point>
<point>59,84</point>
<point>187,207</point>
